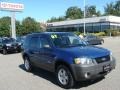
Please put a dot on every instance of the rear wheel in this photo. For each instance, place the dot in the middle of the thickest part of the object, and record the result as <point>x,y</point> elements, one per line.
<point>64,77</point>
<point>102,41</point>
<point>27,64</point>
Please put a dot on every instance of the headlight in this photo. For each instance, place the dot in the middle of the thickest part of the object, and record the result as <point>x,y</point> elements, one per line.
<point>83,61</point>
<point>111,56</point>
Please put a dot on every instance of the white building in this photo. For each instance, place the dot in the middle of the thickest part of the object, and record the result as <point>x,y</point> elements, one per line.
<point>94,24</point>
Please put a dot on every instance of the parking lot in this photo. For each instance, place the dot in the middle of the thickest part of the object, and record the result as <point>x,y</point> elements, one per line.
<point>14,77</point>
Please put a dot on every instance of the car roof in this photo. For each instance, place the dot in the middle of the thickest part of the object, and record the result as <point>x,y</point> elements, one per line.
<point>49,33</point>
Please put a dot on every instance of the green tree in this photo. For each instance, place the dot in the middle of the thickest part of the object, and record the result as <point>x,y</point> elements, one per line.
<point>74,13</point>
<point>30,25</point>
<point>91,11</point>
<point>19,28</point>
<point>61,18</point>
<point>5,23</point>
<point>117,8</point>
<point>110,9</point>
<point>54,19</point>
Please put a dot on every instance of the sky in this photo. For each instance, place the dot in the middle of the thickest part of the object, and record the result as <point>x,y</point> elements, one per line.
<point>42,10</point>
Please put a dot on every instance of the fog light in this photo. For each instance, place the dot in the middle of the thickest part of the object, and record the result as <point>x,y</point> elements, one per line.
<point>87,75</point>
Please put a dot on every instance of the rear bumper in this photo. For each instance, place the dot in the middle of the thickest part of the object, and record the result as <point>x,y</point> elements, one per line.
<point>82,73</point>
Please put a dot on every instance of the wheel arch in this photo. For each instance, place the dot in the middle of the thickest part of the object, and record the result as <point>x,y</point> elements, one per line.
<point>61,62</point>
<point>25,55</point>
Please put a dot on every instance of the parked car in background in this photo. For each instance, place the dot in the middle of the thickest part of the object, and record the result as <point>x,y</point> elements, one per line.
<point>93,40</point>
<point>20,41</point>
<point>68,56</point>
<point>9,45</point>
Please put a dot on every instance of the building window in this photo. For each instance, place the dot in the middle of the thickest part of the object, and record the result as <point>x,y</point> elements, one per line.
<point>96,27</point>
<point>105,26</point>
<point>89,28</point>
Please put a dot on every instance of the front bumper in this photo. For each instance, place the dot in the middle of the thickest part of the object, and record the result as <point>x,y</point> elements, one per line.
<point>15,48</point>
<point>82,73</point>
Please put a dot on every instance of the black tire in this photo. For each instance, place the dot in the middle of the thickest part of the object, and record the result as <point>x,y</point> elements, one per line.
<point>27,64</point>
<point>19,50</point>
<point>70,82</point>
<point>4,51</point>
<point>102,41</point>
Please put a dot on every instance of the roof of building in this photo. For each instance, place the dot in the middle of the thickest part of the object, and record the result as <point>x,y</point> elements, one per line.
<point>49,33</point>
<point>87,20</point>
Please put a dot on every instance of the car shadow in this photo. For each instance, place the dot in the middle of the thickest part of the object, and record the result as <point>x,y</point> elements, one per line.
<point>51,77</point>
<point>9,53</point>
<point>42,73</point>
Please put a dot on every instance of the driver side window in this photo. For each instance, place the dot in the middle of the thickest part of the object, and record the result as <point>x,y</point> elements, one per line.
<point>44,43</point>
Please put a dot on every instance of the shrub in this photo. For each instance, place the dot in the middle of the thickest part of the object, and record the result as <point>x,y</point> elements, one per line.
<point>100,34</point>
<point>77,33</point>
<point>112,32</point>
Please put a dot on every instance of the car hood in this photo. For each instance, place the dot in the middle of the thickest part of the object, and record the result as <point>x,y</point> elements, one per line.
<point>86,51</point>
<point>11,43</point>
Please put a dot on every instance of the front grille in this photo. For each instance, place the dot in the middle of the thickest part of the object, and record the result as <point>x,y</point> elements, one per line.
<point>102,59</point>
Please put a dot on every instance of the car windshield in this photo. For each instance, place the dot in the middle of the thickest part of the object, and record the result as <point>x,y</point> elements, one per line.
<point>8,40</point>
<point>67,40</point>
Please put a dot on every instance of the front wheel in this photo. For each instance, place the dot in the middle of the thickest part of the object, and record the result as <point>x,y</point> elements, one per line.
<point>4,51</point>
<point>64,77</point>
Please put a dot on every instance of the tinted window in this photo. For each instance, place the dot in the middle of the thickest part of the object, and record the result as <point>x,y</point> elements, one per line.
<point>44,43</point>
<point>66,40</point>
<point>26,42</point>
<point>34,42</point>
<point>8,40</point>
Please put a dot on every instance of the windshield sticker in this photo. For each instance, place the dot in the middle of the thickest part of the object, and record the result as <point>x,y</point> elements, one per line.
<point>53,36</point>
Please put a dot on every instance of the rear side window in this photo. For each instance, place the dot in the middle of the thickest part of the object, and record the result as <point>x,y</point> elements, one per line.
<point>34,42</point>
<point>26,42</point>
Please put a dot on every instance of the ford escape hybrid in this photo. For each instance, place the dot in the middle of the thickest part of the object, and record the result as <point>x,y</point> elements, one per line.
<point>65,54</point>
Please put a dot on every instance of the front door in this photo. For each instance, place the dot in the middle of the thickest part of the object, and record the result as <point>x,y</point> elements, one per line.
<point>34,48</point>
<point>47,54</point>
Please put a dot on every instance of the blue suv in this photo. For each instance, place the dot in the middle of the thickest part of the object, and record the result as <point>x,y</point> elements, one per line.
<point>69,57</point>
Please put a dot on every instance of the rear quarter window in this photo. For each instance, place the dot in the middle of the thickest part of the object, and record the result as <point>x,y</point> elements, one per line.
<point>26,42</point>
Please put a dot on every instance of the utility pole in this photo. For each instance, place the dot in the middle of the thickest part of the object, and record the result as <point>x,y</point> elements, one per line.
<point>84,17</point>
<point>13,27</point>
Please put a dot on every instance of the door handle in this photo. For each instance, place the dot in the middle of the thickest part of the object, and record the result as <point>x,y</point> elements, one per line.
<point>36,52</point>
